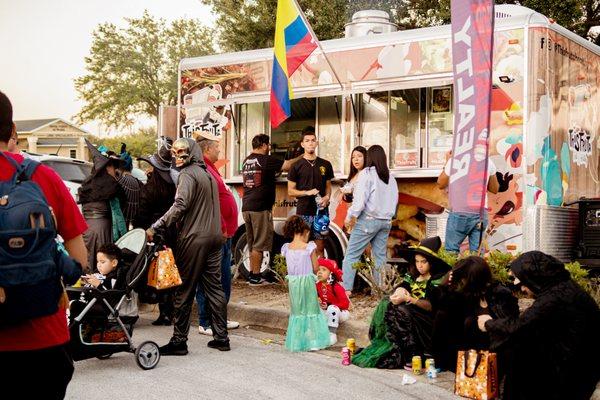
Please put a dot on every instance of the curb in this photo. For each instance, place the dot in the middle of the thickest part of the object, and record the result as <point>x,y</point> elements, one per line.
<point>274,318</point>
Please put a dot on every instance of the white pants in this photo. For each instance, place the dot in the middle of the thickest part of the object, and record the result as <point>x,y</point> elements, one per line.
<point>335,317</point>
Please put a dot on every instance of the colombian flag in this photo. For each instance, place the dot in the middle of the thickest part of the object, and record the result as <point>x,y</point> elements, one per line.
<point>293,44</point>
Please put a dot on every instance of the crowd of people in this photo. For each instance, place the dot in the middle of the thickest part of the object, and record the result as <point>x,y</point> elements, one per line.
<point>546,351</point>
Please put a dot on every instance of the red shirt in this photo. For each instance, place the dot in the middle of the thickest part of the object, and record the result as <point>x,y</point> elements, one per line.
<point>51,330</point>
<point>333,295</point>
<point>229,211</point>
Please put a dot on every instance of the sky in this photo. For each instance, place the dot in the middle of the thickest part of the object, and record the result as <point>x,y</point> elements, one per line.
<point>43,44</point>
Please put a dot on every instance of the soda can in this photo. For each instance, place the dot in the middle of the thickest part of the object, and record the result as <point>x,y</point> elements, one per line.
<point>430,368</point>
<point>346,356</point>
<point>428,363</point>
<point>417,367</point>
<point>351,344</point>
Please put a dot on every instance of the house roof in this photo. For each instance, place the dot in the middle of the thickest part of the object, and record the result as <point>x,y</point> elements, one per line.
<point>32,125</point>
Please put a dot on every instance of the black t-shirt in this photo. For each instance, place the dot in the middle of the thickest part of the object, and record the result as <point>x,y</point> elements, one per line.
<point>258,172</point>
<point>310,175</point>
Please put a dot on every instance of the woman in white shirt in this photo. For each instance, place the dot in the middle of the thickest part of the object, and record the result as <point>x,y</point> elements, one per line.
<point>369,219</point>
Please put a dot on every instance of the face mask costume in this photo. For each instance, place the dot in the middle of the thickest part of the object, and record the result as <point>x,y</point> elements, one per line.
<point>181,153</point>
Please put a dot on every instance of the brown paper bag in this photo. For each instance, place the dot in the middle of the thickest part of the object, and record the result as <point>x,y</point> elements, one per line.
<point>476,375</point>
<point>163,273</point>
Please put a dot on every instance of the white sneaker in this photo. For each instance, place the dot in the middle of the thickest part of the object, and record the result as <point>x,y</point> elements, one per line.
<point>332,338</point>
<point>232,324</point>
<point>205,331</point>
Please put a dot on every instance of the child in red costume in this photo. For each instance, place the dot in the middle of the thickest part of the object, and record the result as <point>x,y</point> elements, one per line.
<point>332,295</point>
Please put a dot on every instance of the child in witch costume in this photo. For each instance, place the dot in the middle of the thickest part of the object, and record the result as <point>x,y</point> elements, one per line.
<point>332,296</point>
<point>402,325</point>
<point>307,325</point>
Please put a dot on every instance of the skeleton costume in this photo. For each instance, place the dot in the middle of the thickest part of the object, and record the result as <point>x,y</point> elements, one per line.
<point>196,215</point>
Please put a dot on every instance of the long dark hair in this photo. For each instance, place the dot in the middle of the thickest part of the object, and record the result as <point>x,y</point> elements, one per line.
<point>471,276</point>
<point>376,158</point>
<point>353,170</point>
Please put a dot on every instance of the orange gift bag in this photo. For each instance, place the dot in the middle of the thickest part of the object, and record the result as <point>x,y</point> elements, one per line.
<point>163,273</point>
<point>476,375</point>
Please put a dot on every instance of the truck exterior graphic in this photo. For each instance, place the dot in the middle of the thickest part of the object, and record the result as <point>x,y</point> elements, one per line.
<point>396,91</point>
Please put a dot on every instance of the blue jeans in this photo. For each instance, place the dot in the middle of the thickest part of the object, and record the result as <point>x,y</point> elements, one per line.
<point>225,281</point>
<point>461,225</point>
<point>367,230</point>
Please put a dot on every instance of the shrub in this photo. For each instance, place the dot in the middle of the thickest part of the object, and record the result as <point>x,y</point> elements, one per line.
<point>579,275</point>
<point>390,277</point>
<point>498,262</point>
<point>280,269</point>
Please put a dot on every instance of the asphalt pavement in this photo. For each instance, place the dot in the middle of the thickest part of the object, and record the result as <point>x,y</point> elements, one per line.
<point>257,367</point>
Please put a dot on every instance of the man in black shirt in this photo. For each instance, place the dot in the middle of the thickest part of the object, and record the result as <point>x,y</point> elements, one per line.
<point>259,172</point>
<point>307,179</point>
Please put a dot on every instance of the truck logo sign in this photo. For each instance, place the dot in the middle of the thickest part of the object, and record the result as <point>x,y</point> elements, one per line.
<point>580,144</point>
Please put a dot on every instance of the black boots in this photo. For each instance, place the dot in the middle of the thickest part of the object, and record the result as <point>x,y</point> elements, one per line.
<point>221,345</point>
<point>174,349</point>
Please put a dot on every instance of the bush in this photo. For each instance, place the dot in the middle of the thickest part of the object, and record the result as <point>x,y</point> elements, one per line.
<point>280,269</point>
<point>579,275</point>
<point>390,277</point>
<point>499,262</point>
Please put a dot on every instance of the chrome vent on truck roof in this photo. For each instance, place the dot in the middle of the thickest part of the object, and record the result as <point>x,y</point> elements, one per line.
<point>369,22</point>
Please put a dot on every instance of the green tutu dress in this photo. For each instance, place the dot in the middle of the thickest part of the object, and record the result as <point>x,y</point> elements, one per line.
<point>307,326</point>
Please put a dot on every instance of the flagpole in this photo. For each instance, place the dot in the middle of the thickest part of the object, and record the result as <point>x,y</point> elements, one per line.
<point>318,43</point>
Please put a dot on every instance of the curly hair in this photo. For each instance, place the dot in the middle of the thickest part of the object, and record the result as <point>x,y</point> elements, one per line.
<point>294,225</point>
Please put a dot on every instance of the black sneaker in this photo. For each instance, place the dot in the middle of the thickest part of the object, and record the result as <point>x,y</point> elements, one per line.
<point>221,345</point>
<point>174,349</point>
<point>257,280</point>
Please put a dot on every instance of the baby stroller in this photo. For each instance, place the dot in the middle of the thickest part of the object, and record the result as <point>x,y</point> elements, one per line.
<point>96,324</point>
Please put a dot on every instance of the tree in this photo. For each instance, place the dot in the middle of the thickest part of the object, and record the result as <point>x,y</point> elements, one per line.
<point>132,70</point>
<point>139,144</point>
<point>250,24</point>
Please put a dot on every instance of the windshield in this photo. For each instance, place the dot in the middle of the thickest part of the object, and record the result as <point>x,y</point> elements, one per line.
<point>73,172</point>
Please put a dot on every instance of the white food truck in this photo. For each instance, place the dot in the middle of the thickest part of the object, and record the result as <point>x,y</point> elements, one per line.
<point>396,91</point>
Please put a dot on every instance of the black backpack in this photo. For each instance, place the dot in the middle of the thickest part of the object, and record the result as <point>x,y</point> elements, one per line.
<point>31,265</point>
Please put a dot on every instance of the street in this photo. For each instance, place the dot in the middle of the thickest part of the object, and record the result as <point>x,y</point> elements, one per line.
<point>258,367</point>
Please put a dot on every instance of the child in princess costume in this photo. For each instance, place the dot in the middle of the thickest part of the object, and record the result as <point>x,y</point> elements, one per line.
<point>307,325</point>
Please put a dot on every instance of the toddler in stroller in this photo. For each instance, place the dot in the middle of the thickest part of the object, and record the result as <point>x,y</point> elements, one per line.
<point>102,313</point>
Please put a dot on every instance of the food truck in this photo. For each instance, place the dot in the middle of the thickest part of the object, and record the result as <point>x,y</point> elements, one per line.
<point>394,89</point>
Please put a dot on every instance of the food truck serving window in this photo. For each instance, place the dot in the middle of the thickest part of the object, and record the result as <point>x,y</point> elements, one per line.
<point>405,128</point>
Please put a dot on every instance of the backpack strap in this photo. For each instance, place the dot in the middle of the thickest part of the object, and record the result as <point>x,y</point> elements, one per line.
<point>28,167</point>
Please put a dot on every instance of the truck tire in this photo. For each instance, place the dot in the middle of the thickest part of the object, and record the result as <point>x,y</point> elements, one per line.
<point>241,258</point>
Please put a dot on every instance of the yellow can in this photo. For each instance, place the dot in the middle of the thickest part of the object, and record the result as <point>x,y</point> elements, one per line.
<point>417,366</point>
<point>351,345</point>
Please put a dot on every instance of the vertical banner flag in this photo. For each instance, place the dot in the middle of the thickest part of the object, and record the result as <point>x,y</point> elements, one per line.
<point>472,46</point>
<point>294,42</point>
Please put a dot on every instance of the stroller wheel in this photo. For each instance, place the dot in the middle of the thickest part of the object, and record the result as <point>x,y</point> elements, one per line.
<point>147,355</point>
<point>104,356</point>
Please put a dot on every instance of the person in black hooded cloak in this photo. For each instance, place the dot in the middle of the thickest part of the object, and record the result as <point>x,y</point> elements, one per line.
<point>197,217</point>
<point>551,348</point>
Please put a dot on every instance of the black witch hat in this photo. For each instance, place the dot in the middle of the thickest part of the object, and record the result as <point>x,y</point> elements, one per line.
<point>428,248</point>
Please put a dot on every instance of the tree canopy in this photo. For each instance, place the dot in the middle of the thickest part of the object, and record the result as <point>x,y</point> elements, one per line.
<point>132,70</point>
<point>139,144</point>
<point>250,24</point>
